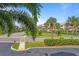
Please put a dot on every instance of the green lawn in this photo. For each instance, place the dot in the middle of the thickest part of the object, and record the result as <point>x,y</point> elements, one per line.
<point>52,42</point>
<point>16,45</point>
<point>45,34</point>
<point>34,44</point>
<point>50,35</point>
<point>49,42</point>
<point>29,45</point>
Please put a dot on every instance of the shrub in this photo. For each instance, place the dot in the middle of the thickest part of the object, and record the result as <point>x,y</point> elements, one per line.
<point>53,42</point>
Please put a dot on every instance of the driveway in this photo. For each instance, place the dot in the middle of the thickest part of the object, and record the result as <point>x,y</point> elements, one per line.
<point>6,51</point>
<point>19,36</point>
<point>6,42</point>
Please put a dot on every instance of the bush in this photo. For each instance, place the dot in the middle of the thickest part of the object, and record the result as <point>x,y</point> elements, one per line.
<point>54,42</point>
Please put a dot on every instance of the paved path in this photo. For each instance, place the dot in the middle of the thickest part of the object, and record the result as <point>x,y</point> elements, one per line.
<point>6,51</point>
<point>18,37</point>
<point>5,44</point>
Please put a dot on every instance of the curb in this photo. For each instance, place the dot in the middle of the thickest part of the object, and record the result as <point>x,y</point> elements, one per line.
<point>45,47</point>
<point>18,49</point>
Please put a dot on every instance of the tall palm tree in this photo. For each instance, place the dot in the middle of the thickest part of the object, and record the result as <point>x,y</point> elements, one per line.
<point>7,18</point>
<point>6,22</point>
<point>74,22</point>
<point>33,8</point>
<point>51,22</point>
<point>26,21</point>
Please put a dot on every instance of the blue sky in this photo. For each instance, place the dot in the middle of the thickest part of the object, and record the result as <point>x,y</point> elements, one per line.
<point>61,11</point>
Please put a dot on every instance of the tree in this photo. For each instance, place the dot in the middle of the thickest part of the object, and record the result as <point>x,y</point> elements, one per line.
<point>51,20</point>
<point>33,8</point>
<point>7,19</point>
<point>6,22</point>
<point>58,25</point>
<point>50,23</point>
<point>27,22</point>
<point>73,21</point>
<point>58,29</point>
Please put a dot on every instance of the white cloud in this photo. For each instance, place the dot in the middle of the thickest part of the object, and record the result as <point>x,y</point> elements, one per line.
<point>40,21</point>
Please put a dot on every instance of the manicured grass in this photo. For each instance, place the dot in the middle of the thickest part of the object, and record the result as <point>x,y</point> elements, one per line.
<point>59,42</point>
<point>29,45</point>
<point>34,44</point>
<point>46,34</point>
<point>16,45</point>
<point>49,42</point>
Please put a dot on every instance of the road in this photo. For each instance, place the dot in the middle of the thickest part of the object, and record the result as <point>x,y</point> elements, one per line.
<point>6,42</point>
<point>6,51</point>
<point>18,37</point>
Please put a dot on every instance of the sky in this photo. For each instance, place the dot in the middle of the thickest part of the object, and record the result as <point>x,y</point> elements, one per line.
<point>61,11</point>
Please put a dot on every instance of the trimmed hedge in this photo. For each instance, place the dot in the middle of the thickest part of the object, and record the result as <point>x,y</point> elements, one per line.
<point>59,42</point>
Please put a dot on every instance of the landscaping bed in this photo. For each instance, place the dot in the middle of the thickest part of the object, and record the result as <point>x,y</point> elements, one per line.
<point>59,42</point>
<point>29,45</point>
<point>49,42</point>
<point>16,45</point>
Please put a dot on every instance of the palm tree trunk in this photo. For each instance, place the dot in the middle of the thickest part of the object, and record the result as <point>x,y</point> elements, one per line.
<point>33,38</point>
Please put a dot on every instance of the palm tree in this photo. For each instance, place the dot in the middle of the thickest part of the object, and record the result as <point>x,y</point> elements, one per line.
<point>73,21</point>
<point>33,8</point>
<point>7,18</point>
<point>6,22</point>
<point>51,22</point>
<point>51,25</point>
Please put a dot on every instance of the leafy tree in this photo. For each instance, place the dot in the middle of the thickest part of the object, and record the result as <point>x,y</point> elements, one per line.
<point>50,23</point>
<point>51,20</point>
<point>34,9</point>
<point>74,21</point>
<point>6,22</point>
